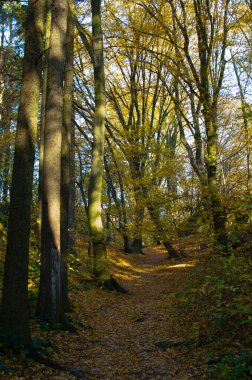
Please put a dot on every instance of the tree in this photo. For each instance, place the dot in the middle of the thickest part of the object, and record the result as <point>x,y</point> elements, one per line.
<point>12,15</point>
<point>140,121</point>
<point>201,66</point>
<point>47,31</point>
<point>66,151</point>
<point>14,306</point>
<point>101,268</point>
<point>50,293</point>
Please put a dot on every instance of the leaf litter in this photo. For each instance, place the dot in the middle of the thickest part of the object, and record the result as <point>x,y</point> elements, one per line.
<point>119,334</point>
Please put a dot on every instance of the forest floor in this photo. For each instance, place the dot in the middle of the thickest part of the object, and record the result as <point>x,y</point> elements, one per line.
<point>127,336</point>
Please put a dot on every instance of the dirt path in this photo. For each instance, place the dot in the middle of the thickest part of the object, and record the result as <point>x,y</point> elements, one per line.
<point>118,341</point>
<point>125,328</point>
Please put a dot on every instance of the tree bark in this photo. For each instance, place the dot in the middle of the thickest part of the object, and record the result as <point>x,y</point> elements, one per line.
<point>246,128</point>
<point>50,292</point>
<point>72,196</point>
<point>48,16</point>
<point>101,267</point>
<point>1,65</point>
<point>65,153</point>
<point>155,216</point>
<point>14,306</point>
<point>218,213</point>
<point>137,243</point>
<point>6,121</point>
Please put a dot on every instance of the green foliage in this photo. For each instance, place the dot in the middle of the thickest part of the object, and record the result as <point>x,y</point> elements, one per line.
<point>221,297</point>
<point>86,286</point>
<point>8,342</point>
<point>48,326</point>
<point>34,269</point>
<point>3,224</point>
<point>234,367</point>
<point>42,346</point>
<point>34,276</point>
<point>6,369</point>
<point>9,347</point>
<point>74,263</point>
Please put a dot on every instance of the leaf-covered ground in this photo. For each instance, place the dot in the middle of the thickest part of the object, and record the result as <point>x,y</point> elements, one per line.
<point>125,336</point>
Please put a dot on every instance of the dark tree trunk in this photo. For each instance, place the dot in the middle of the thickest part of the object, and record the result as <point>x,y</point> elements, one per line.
<point>155,216</point>
<point>137,245</point>
<point>72,196</point>
<point>127,246</point>
<point>172,252</point>
<point>14,307</point>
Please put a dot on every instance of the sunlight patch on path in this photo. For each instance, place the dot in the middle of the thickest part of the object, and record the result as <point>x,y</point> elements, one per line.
<point>184,265</point>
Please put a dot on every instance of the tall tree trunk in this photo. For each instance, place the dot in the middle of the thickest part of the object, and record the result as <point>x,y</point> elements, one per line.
<point>72,196</point>
<point>14,306</point>
<point>50,293</point>
<point>101,267</point>
<point>216,208</point>
<point>120,205</point>
<point>43,105</point>
<point>7,117</point>
<point>65,152</point>
<point>1,65</point>
<point>137,243</point>
<point>1,97</point>
<point>209,88</point>
<point>246,129</point>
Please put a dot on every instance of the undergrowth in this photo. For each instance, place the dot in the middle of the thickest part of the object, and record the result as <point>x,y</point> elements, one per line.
<point>220,296</point>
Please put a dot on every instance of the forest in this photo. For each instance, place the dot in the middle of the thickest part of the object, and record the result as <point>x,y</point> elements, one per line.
<point>126,189</point>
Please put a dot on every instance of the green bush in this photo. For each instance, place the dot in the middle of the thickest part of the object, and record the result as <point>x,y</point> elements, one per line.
<point>234,367</point>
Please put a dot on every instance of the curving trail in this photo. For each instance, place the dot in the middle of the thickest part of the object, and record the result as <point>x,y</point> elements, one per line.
<point>125,328</point>
<point>120,332</point>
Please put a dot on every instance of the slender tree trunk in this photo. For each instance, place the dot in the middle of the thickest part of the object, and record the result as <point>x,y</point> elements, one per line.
<point>1,73</point>
<point>101,267</point>
<point>155,216</point>
<point>216,208</point>
<point>108,224</point>
<point>137,243</point>
<point>1,99</point>
<point>121,205</point>
<point>246,129</point>
<point>72,196</point>
<point>14,307</point>
<point>50,292</point>
<point>65,152</point>
<point>7,117</point>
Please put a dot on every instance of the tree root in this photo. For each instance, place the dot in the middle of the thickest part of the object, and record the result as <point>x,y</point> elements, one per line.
<point>118,287</point>
<point>79,374</point>
<point>173,253</point>
<point>68,326</point>
<point>64,324</point>
<point>112,285</point>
